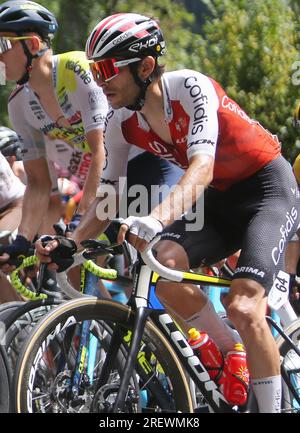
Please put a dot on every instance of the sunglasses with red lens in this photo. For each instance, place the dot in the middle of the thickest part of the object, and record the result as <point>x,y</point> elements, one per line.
<point>106,69</point>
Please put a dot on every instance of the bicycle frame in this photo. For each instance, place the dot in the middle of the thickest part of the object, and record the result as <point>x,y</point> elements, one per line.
<point>147,305</point>
<point>144,300</point>
<point>87,352</point>
<point>87,342</point>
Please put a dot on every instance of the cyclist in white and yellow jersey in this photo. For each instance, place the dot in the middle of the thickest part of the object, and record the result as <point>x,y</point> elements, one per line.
<point>55,97</point>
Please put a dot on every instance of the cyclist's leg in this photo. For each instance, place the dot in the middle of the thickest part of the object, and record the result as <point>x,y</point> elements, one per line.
<point>54,211</point>
<point>246,306</point>
<point>275,213</point>
<point>52,216</point>
<point>182,250</point>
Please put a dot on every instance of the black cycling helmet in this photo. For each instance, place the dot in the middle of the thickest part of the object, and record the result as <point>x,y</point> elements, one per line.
<point>10,144</point>
<point>20,16</point>
<point>127,36</point>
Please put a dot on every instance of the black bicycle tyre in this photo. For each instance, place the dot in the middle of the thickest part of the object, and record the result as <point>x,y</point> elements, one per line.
<point>292,331</point>
<point>8,307</point>
<point>88,309</point>
<point>22,316</point>
<point>5,382</point>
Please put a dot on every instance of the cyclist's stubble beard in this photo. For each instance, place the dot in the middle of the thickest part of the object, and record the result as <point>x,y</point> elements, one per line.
<point>125,95</point>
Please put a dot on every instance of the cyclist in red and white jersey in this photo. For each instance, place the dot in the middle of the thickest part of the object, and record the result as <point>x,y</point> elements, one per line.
<point>251,197</point>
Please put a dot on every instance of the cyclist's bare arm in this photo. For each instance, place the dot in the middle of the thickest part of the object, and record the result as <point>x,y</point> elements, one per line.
<point>189,188</point>
<point>95,141</point>
<point>93,223</point>
<point>53,214</point>
<point>36,198</point>
<point>89,228</point>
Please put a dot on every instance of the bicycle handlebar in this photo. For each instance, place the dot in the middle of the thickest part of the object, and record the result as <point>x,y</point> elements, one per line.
<point>62,280</point>
<point>79,258</point>
<point>17,283</point>
<point>154,265</point>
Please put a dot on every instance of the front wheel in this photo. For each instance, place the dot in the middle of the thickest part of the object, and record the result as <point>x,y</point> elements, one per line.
<point>45,369</point>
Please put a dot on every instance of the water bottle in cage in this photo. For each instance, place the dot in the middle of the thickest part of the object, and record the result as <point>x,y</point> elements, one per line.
<point>234,381</point>
<point>208,352</point>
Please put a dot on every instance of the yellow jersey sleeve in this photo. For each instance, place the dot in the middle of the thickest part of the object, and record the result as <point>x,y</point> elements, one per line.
<point>296,168</point>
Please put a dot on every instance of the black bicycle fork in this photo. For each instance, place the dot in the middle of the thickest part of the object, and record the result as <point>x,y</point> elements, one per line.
<point>117,339</point>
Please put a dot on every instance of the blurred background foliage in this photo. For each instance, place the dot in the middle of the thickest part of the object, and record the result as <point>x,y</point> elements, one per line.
<point>250,47</point>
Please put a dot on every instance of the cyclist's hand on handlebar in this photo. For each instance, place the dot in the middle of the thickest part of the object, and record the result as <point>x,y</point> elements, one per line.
<point>141,231</point>
<point>4,265</point>
<point>43,247</point>
<point>56,250</point>
<point>11,255</point>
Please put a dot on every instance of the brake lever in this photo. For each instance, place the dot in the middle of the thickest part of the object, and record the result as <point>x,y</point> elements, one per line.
<point>60,228</point>
<point>93,253</point>
<point>40,279</point>
<point>94,243</point>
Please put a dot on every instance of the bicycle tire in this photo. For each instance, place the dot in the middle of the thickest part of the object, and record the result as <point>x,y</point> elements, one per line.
<point>106,311</point>
<point>5,382</point>
<point>290,363</point>
<point>19,321</point>
<point>7,307</point>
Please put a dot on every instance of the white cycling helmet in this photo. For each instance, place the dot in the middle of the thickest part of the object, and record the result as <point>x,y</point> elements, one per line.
<point>125,35</point>
<point>124,39</point>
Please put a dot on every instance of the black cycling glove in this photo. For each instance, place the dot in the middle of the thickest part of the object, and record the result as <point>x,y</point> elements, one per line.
<point>63,254</point>
<point>19,247</point>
